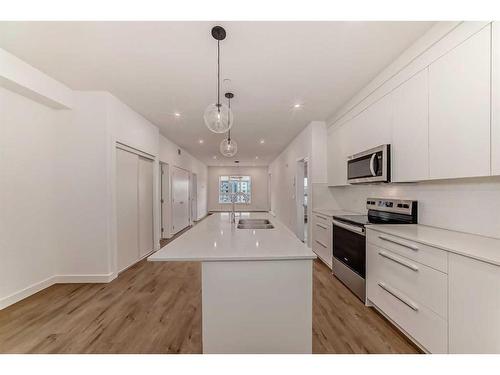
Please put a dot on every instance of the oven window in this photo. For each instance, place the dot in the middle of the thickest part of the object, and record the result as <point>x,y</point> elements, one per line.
<point>350,249</point>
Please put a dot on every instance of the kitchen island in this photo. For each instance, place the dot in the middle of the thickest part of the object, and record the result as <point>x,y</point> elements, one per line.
<point>256,285</point>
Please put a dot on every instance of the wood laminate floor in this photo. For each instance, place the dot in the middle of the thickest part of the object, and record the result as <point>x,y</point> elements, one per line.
<point>155,307</point>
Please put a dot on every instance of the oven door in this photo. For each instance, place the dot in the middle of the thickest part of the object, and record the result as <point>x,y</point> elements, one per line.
<point>370,166</point>
<point>349,246</point>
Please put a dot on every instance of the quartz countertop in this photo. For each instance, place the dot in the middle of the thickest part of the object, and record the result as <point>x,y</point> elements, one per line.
<point>216,239</point>
<point>482,248</point>
<point>333,212</point>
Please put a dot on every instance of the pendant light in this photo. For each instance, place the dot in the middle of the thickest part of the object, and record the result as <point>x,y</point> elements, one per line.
<point>228,147</point>
<point>218,117</point>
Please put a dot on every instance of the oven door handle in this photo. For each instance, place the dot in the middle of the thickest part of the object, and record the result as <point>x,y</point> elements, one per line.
<point>351,228</point>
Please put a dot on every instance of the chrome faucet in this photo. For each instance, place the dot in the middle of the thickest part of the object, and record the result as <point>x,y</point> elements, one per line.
<point>234,198</point>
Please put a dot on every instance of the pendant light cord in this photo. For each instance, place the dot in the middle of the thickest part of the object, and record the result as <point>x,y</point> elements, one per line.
<point>218,75</point>
<point>229,131</point>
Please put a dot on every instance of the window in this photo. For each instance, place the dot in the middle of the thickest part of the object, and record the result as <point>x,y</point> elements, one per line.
<point>230,184</point>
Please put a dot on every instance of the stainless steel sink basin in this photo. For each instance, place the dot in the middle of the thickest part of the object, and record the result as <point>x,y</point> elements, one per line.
<point>254,221</point>
<point>254,224</point>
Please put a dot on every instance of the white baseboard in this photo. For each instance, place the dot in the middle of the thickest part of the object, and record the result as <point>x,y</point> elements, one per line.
<point>73,279</point>
<point>26,292</point>
<point>59,279</point>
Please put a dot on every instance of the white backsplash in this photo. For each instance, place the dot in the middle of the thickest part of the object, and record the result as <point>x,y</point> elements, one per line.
<point>465,205</point>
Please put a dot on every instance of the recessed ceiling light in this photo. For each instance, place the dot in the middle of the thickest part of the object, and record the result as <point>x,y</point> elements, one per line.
<point>256,157</point>
<point>177,114</point>
<point>262,141</point>
<point>298,105</point>
<point>201,141</point>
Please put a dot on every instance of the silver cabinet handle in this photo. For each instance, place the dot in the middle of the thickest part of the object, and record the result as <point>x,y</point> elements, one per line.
<point>413,247</point>
<point>397,295</point>
<point>399,261</point>
<point>322,244</point>
<point>321,226</point>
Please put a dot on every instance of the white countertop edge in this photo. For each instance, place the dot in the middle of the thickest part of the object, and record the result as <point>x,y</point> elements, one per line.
<point>233,259</point>
<point>496,262</point>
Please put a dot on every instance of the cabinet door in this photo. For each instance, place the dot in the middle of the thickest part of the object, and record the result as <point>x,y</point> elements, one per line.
<point>372,127</point>
<point>127,208</point>
<point>495,100</point>
<point>459,110</point>
<point>474,306</point>
<point>338,141</point>
<point>410,130</point>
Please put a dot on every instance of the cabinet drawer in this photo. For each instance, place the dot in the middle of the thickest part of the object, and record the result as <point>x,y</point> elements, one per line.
<point>324,253</point>
<point>322,233</point>
<point>420,283</point>
<point>426,327</point>
<point>427,255</point>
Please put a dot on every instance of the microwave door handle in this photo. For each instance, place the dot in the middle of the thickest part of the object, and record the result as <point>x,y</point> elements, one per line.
<point>372,165</point>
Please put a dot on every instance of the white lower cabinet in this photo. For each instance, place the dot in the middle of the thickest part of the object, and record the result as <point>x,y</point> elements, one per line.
<point>322,238</point>
<point>411,294</point>
<point>474,305</point>
<point>445,302</point>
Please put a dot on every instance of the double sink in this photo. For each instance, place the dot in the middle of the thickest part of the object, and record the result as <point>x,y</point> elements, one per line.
<point>254,224</point>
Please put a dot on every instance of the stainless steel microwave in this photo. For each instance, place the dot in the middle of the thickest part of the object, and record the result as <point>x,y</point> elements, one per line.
<point>373,165</point>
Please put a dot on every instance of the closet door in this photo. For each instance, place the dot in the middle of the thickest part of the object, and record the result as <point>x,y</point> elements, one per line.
<point>127,208</point>
<point>145,195</point>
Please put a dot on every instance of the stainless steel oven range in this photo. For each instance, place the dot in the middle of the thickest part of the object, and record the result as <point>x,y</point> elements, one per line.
<point>349,242</point>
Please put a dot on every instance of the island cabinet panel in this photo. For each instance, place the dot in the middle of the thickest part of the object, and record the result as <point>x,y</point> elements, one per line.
<point>410,130</point>
<point>495,99</point>
<point>257,307</point>
<point>459,110</point>
<point>474,306</point>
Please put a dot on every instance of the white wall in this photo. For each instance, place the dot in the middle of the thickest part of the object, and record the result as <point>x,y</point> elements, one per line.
<point>57,178</point>
<point>259,175</point>
<point>309,144</point>
<point>28,237</point>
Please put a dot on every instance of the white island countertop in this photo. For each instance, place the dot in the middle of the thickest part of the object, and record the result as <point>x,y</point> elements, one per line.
<point>216,239</point>
<point>482,248</point>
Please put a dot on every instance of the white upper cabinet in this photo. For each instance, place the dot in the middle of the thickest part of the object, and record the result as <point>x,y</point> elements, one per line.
<point>459,110</point>
<point>338,141</point>
<point>495,100</point>
<point>410,130</point>
<point>372,127</point>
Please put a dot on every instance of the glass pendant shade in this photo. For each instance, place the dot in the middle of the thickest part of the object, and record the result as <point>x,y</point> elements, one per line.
<point>228,148</point>
<point>218,118</point>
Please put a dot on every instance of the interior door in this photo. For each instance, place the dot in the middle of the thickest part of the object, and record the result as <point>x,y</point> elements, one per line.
<point>145,196</point>
<point>127,208</point>
<point>194,197</point>
<point>180,199</point>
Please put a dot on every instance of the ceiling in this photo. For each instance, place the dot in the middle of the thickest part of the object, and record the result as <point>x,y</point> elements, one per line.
<point>162,68</point>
